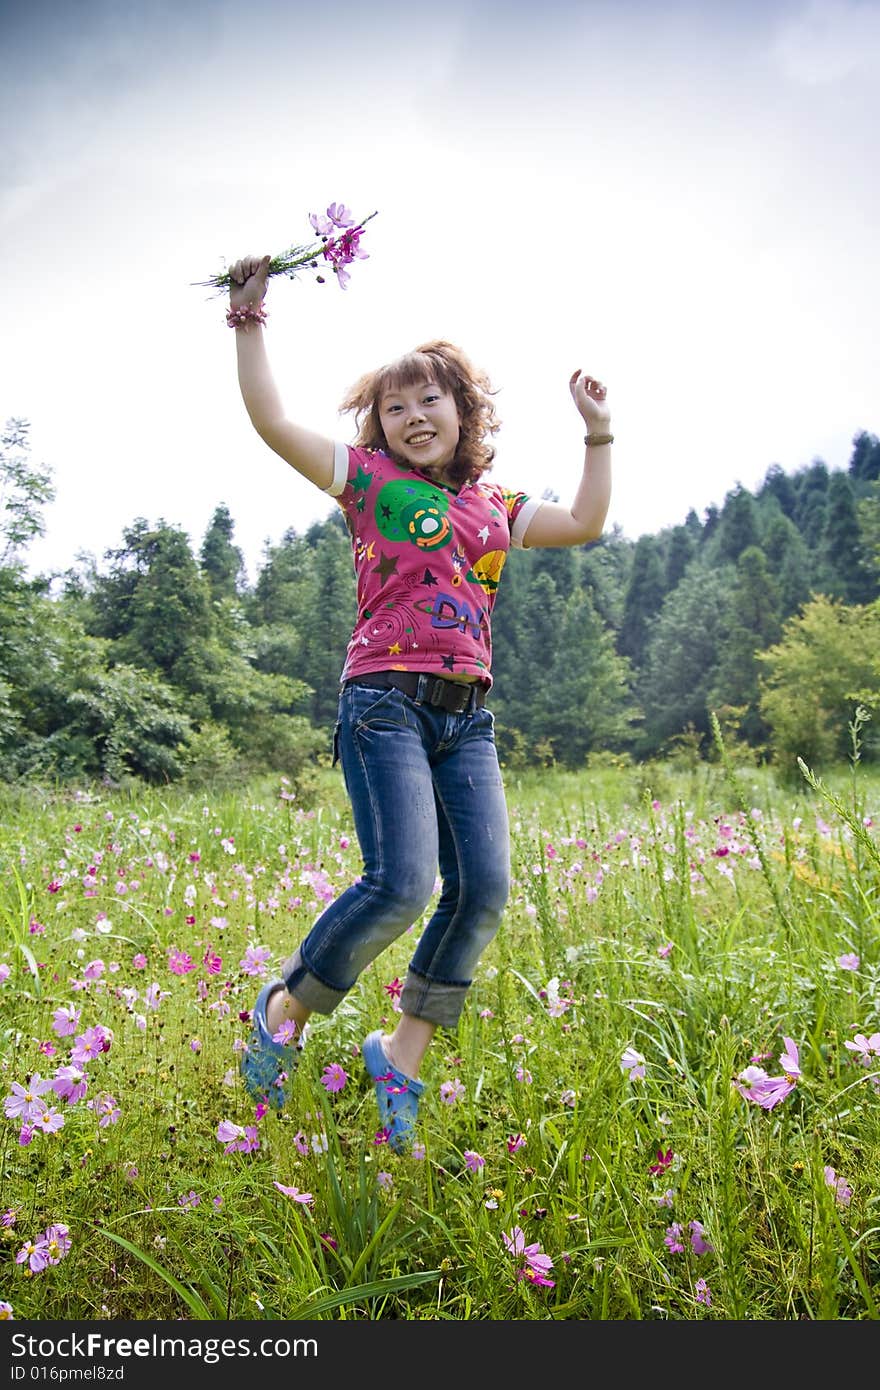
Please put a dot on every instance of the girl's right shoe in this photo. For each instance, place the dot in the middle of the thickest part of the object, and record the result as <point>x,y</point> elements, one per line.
<point>267,1066</point>
<point>397,1095</point>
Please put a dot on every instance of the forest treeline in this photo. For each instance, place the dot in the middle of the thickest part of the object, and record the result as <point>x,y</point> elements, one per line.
<point>161,662</point>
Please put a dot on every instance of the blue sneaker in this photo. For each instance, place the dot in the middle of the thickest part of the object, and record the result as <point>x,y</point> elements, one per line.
<point>397,1095</point>
<point>267,1065</point>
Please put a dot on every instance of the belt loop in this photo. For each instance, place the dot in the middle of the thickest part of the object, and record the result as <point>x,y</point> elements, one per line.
<point>421,692</point>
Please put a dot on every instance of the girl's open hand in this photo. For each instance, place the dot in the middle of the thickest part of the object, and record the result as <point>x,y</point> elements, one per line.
<point>588,395</point>
<point>248,279</point>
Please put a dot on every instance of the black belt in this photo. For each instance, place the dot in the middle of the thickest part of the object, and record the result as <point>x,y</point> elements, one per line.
<point>453,696</point>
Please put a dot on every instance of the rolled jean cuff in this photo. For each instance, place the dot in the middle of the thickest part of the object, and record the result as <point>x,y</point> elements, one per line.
<point>313,993</point>
<point>436,1003</point>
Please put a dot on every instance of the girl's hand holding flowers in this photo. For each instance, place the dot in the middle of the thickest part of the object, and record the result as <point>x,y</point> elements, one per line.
<point>339,245</point>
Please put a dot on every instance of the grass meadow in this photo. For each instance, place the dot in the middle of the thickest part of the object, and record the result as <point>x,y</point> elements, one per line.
<point>609,1134</point>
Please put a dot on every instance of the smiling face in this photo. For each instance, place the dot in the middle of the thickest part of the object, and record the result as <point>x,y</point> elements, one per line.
<point>421,424</point>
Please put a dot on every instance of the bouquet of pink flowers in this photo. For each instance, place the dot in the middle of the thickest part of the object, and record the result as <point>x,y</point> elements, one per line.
<point>338,246</point>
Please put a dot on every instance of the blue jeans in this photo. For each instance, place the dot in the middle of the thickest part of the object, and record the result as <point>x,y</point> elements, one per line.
<point>425,790</point>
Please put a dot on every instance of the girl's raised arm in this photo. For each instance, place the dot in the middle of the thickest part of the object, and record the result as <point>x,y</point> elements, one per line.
<point>309,453</point>
<point>556,525</point>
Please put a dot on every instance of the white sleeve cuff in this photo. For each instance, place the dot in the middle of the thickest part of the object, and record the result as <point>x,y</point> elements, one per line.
<point>340,469</point>
<point>523,517</point>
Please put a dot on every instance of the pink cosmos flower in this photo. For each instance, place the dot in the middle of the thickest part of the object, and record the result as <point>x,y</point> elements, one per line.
<point>767,1091</point>
<point>139,961</point>
<point>699,1244</point>
<point>451,1091</point>
<point>304,1198</point>
<point>536,1265</point>
<point>515,1142</point>
<point>94,970</point>
<point>673,1238</point>
<point>91,1044</point>
<point>5,972</point>
<point>212,962</point>
<point>633,1063</point>
<point>65,1020</point>
<point>850,961</point>
<point>35,1254</point>
<point>286,1033</point>
<point>704,1293</point>
<point>50,1121</point>
<point>26,1103</point>
<point>58,1242</point>
<point>333,1077</point>
<point>418,1151</point>
<point>867,1048</point>
<point>842,1190</point>
<point>663,1162</point>
<point>395,989</point>
<point>153,996</point>
<point>473,1161</point>
<point>106,1109</point>
<point>301,1143</point>
<point>70,1083</point>
<point>6,1313</point>
<point>340,215</point>
<point>180,962</point>
<point>228,1134</point>
<point>253,962</point>
<point>385,1180</point>
<point>664,951</point>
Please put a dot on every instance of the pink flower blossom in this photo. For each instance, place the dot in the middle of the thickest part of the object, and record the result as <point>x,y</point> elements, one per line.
<point>153,996</point>
<point>333,1077</point>
<point>663,1162</point>
<point>70,1083</point>
<point>867,1048</point>
<point>536,1265</point>
<point>139,961</point>
<point>699,1244</point>
<point>285,1033</point>
<point>304,1198</point>
<point>767,1091</point>
<point>26,1103</point>
<point>91,1044</point>
<point>395,989</point>
<point>58,1242</point>
<point>704,1293</point>
<point>850,961</point>
<point>633,1063</point>
<point>673,1238</point>
<point>35,1254</point>
<point>515,1142</point>
<point>253,962</point>
<point>106,1109</point>
<point>664,951</point>
<point>65,1020</point>
<point>473,1161</point>
<point>451,1091</point>
<point>180,962</point>
<point>50,1121</point>
<point>212,962</point>
<point>842,1190</point>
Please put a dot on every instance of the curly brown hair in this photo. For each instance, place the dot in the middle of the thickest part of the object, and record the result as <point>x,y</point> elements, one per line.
<point>450,369</point>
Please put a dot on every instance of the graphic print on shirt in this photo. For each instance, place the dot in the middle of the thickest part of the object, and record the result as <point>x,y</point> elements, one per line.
<point>428,563</point>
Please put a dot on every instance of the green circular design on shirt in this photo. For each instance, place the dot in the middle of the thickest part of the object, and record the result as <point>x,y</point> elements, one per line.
<point>398,503</point>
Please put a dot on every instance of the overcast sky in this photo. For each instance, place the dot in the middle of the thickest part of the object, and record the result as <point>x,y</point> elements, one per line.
<point>679,198</point>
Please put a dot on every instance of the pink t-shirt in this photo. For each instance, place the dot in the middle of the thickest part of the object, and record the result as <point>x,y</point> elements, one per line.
<point>428,562</point>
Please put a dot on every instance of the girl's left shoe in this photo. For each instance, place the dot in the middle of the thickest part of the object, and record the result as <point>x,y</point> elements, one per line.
<point>267,1066</point>
<point>397,1095</point>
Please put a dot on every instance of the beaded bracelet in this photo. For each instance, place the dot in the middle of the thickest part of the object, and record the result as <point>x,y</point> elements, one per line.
<point>240,317</point>
<point>597,439</point>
